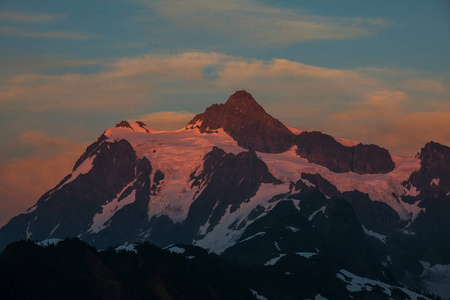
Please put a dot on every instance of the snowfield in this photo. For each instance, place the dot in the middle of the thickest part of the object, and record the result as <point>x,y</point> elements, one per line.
<point>180,153</point>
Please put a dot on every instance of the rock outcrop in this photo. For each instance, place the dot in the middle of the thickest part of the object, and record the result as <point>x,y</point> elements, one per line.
<point>247,123</point>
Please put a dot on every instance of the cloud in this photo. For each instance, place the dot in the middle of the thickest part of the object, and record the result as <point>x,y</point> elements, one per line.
<point>381,105</point>
<point>28,64</point>
<point>18,32</point>
<point>24,180</point>
<point>385,118</point>
<point>366,105</point>
<point>24,17</point>
<point>140,79</point>
<point>424,85</point>
<point>72,92</point>
<point>255,23</point>
<point>167,120</point>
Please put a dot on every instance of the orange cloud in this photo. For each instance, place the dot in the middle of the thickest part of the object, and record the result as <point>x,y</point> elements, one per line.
<point>364,104</point>
<point>424,85</point>
<point>24,180</point>
<point>168,120</point>
<point>384,118</point>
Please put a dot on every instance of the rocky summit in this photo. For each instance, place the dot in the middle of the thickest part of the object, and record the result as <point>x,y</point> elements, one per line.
<point>240,184</point>
<point>246,122</point>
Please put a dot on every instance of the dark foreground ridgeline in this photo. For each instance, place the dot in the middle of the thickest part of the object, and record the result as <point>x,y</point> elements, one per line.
<point>72,269</point>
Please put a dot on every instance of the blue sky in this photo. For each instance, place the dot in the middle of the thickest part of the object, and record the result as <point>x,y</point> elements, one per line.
<point>376,72</point>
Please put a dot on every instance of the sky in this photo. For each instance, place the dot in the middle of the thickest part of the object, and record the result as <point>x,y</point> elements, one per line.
<point>372,71</point>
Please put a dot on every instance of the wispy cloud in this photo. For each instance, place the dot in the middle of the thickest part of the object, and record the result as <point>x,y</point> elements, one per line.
<point>251,22</point>
<point>26,64</point>
<point>18,32</point>
<point>424,85</point>
<point>24,17</point>
<point>365,106</point>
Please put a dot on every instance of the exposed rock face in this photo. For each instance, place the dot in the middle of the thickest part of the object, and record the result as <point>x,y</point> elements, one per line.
<point>340,227</point>
<point>142,125</point>
<point>89,151</point>
<point>324,150</point>
<point>433,226</point>
<point>371,159</point>
<point>69,208</point>
<point>124,124</point>
<point>434,173</point>
<point>231,180</point>
<point>322,184</point>
<point>373,215</point>
<point>333,232</point>
<point>246,122</point>
<point>283,230</point>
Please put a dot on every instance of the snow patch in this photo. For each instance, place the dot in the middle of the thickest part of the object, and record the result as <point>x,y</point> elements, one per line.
<point>47,242</point>
<point>277,246</point>
<point>126,247</point>
<point>414,210</point>
<point>294,130</point>
<point>346,142</point>
<point>306,254</point>
<point>379,187</point>
<point>31,209</point>
<point>253,236</point>
<point>138,128</point>
<point>222,237</point>
<point>82,169</point>
<point>322,209</point>
<point>435,181</point>
<point>274,260</point>
<point>177,250</point>
<point>109,209</point>
<point>56,227</point>
<point>293,229</point>
<point>28,232</point>
<point>308,183</point>
<point>380,237</point>
<point>258,296</point>
<point>437,278</point>
<point>407,232</point>
<point>356,283</point>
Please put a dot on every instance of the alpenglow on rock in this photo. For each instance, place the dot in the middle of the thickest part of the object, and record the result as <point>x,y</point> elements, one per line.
<point>247,122</point>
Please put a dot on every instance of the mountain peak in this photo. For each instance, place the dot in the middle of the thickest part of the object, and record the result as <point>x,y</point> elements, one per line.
<point>434,168</point>
<point>243,102</point>
<point>246,122</point>
<point>124,124</point>
<point>242,97</point>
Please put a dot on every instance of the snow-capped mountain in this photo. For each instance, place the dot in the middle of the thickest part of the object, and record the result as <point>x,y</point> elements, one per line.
<point>241,184</point>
